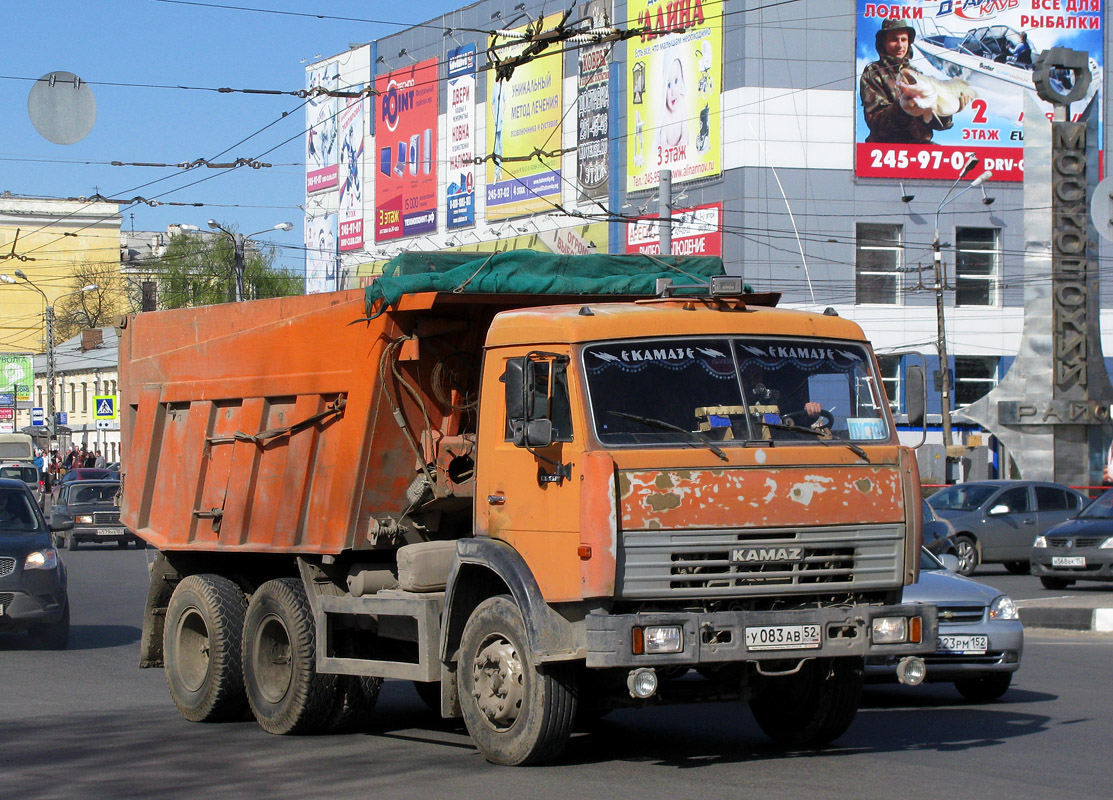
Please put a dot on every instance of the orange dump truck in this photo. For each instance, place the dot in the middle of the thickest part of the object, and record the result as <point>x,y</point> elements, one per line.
<point>536,507</point>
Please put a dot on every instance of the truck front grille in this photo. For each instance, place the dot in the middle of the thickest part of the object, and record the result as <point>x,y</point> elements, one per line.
<point>752,563</point>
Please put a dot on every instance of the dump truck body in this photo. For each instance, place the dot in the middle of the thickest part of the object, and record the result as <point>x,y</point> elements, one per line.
<point>490,491</point>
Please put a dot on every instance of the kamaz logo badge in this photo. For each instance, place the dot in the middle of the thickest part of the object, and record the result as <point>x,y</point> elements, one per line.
<point>765,555</point>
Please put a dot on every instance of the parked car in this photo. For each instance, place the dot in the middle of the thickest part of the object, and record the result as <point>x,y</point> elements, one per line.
<point>91,507</point>
<point>981,637</point>
<point>997,521</point>
<point>1080,549</point>
<point>27,472</point>
<point>939,535</point>
<point>32,576</point>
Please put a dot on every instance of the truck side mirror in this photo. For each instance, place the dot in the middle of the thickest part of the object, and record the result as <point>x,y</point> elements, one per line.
<point>915,395</point>
<point>532,433</point>
<point>519,378</point>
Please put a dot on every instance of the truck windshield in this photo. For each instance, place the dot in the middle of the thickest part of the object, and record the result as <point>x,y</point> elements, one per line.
<point>671,391</point>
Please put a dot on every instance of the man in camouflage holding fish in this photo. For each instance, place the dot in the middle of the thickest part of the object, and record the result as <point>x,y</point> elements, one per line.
<point>901,104</point>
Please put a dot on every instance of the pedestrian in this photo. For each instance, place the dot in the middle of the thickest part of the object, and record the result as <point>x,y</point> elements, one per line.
<point>100,462</point>
<point>90,459</point>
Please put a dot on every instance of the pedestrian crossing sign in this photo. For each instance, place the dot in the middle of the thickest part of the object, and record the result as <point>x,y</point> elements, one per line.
<point>104,406</point>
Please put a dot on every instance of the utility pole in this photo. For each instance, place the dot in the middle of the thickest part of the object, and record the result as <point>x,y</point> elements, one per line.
<point>664,212</point>
<point>239,243</point>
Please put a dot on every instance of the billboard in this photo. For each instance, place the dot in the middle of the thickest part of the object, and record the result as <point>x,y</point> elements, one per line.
<point>673,74</point>
<point>17,375</point>
<point>460,182</point>
<point>524,116</point>
<point>695,232</point>
<point>958,85</point>
<point>320,254</point>
<point>593,107</point>
<point>320,129</point>
<point>351,183</point>
<point>406,133</point>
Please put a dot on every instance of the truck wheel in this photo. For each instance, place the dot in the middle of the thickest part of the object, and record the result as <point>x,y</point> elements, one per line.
<point>284,690</point>
<point>201,643</point>
<point>515,712</point>
<point>53,635</point>
<point>430,694</point>
<point>985,689</point>
<point>967,551</point>
<point>812,707</point>
<point>356,695</point>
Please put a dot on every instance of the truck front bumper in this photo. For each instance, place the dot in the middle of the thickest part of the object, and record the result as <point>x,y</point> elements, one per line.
<point>736,636</point>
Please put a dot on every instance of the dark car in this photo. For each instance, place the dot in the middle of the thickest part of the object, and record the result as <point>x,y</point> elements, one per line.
<point>91,507</point>
<point>87,474</point>
<point>27,472</point>
<point>981,638</point>
<point>997,521</point>
<point>32,576</point>
<point>939,535</point>
<point>1080,549</point>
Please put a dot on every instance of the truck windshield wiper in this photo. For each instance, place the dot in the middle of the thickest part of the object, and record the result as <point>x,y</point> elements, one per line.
<point>835,440</point>
<point>668,426</point>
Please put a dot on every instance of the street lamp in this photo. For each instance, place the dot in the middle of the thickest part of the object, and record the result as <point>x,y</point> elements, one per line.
<point>239,241</point>
<point>940,282</point>
<point>52,423</point>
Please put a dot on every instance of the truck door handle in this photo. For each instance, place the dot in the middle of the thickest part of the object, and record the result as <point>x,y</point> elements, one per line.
<point>496,499</point>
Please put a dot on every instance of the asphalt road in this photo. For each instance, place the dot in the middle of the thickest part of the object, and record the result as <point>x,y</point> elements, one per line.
<point>87,723</point>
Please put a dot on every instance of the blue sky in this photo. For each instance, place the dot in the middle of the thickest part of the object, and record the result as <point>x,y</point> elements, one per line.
<point>124,46</point>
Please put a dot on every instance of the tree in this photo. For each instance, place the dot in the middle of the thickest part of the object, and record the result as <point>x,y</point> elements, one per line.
<point>95,308</point>
<point>198,268</point>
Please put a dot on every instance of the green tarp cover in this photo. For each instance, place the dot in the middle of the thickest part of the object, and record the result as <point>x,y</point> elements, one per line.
<point>531,272</point>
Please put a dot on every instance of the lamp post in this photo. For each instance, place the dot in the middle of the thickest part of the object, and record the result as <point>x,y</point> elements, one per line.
<point>940,282</point>
<point>52,423</point>
<point>239,242</point>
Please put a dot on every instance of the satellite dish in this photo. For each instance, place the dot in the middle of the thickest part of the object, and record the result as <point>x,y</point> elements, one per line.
<point>62,108</point>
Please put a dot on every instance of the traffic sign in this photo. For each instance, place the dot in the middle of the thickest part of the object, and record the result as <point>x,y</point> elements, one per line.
<point>61,418</point>
<point>7,399</point>
<point>104,406</point>
<point>38,416</point>
<point>104,424</point>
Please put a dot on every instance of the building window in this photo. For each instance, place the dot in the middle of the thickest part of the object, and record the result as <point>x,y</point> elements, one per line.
<point>880,258</point>
<point>73,396</point>
<point>39,390</point>
<point>890,379</point>
<point>974,377</point>
<point>84,397</point>
<point>977,269</point>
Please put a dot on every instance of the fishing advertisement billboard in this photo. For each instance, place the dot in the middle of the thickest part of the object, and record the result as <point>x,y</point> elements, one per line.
<point>406,136</point>
<point>524,118</point>
<point>320,128</point>
<point>674,79</point>
<point>351,183</point>
<point>460,182</point>
<point>939,80</point>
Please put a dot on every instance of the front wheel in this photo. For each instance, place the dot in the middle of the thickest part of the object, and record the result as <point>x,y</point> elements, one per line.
<point>985,689</point>
<point>812,707</point>
<point>1018,567</point>
<point>1054,583</point>
<point>284,689</point>
<point>516,712</point>
<point>967,551</point>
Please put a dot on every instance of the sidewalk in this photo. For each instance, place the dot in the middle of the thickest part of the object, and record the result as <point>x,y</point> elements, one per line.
<point>1092,612</point>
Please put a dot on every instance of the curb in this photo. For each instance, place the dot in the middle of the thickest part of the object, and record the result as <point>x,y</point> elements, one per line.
<point>1075,619</point>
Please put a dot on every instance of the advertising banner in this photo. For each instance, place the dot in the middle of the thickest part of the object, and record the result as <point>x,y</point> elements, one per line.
<point>674,76</point>
<point>320,254</point>
<point>460,183</point>
<point>351,185</point>
<point>320,134</point>
<point>406,186</point>
<point>593,108</point>
<point>523,116</point>
<point>950,81</point>
<point>695,232</point>
<point>17,375</point>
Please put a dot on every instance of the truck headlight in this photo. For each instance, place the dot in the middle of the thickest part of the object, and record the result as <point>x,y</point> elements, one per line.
<point>46,558</point>
<point>1041,542</point>
<point>1003,607</point>
<point>896,630</point>
<point>657,639</point>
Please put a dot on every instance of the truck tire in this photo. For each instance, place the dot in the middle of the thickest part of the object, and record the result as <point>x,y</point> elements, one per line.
<point>201,644</point>
<point>430,694</point>
<point>812,707</point>
<point>516,712</point>
<point>967,551</point>
<point>985,689</point>
<point>284,689</point>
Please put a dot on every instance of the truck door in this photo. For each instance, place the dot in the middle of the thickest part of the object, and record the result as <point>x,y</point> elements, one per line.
<point>527,481</point>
